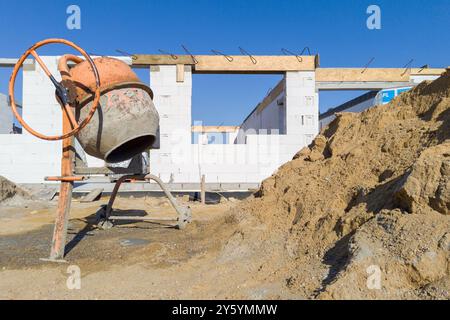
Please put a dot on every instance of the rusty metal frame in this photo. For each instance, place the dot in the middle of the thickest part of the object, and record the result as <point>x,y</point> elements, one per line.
<point>69,126</point>
<point>184,213</point>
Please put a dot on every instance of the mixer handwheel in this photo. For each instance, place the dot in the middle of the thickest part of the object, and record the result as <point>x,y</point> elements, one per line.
<point>61,91</point>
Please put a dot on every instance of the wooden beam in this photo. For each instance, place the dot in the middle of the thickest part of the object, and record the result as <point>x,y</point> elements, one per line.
<point>92,195</point>
<point>161,59</point>
<point>260,64</point>
<point>239,64</point>
<point>360,74</point>
<point>202,190</point>
<point>427,71</point>
<point>371,74</point>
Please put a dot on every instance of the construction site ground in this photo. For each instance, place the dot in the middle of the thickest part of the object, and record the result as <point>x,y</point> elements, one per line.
<point>130,261</point>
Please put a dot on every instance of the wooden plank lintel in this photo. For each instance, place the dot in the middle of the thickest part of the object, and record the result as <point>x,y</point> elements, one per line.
<point>234,64</point>
<point>371,74</point>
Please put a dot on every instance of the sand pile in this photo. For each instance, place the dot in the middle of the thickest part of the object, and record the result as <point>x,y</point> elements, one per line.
<point>9,190</point>
<point>364,212</point>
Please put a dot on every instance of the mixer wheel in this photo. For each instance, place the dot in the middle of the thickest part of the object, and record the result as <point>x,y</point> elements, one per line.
<point>64,97</point>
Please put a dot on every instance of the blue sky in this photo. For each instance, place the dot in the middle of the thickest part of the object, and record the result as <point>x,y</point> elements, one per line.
<point>413,29</point>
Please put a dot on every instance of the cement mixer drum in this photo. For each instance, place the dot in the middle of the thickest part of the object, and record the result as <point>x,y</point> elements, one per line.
<point>126,121</point>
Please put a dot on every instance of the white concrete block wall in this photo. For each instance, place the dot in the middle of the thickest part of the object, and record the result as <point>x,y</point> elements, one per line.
<point>173,101</point>
<point>40,108</point>
<point>302,105</point>
<point>28,159</point>
<point>232,136</point>
<point>6,116</point>
<point>264,150</point>
<point>272,117</point>
<point>24,158</point>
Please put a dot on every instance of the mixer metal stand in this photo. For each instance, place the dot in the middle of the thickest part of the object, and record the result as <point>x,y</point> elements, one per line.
<point>105,219</point>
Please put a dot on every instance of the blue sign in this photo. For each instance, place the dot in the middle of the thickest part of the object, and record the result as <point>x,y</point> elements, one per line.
<point>387,96</point>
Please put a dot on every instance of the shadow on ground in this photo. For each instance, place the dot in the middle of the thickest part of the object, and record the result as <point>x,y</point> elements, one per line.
<point>127,242</point>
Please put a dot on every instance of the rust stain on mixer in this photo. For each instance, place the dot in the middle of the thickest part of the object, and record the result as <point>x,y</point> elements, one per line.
<point>124,100</point>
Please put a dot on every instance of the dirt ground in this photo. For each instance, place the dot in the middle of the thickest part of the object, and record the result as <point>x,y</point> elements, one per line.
<point>130,261</point>
<point>364,211</point>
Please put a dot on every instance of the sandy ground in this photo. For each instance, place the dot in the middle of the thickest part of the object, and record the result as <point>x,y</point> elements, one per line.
<point>130,261</point>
